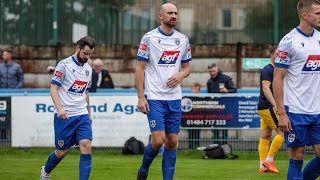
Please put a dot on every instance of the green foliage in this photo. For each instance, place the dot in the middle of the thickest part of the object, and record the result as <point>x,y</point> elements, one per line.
<point>25,164</point>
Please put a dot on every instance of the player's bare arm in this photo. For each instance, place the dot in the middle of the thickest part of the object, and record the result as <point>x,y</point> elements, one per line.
<point>88,104</point>
<point>55,98</point>
<point>139,79</point>
<point>267,92</point>
<point>284,122</point>
<point>176,79</point>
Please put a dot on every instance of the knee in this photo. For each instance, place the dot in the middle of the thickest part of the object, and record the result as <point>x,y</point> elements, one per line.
<point>157,143</point>
<point>61,153</point>
<point>85,146</point>
<point>171,144</point>
<point>298,155</point>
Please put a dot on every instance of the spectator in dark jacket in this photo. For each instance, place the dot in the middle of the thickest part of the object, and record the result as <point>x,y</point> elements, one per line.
<point>11,74</point>
<point>100,77</point>
<point>219,82</point>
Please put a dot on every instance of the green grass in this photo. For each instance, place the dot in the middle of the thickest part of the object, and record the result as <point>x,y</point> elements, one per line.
<point>16,164</point>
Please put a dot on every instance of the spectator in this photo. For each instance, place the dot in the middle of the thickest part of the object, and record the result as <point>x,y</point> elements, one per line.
<point>11,74</point>
<point>196,87</point>
<point>219,82</point>
<point>194,134</point>
<point>100,77</point>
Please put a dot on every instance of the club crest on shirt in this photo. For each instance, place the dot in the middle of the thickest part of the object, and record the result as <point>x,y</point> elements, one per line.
<point>87,73</point>
<point>78,87</point>
<point>177,41</point>
<point>312,63</point>
<point>169,57</point>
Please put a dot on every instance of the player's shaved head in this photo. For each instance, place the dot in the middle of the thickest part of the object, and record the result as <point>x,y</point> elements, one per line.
<point>166,7</point>
<point>305,5</point>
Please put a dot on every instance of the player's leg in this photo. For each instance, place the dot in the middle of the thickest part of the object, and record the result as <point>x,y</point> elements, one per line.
<point>169,156</point>
<point>172,128</point>
<point>85,162</point>
<point>53,160</point>
<point>296,140</point>
<point>63,141</point>
<point>263,148</point>
<point>312,170</point>
<point>265,134</point>
<point>156,125</point>
<point>276,143</point>
<point>295,163</point>
<point>84,137</point>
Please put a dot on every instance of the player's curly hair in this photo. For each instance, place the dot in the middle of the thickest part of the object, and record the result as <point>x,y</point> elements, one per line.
<point>87,40</point>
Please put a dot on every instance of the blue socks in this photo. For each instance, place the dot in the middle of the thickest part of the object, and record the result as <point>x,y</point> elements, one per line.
<point>294,170</point>
<point>85,166</point>
<point>168,163</point>
<point>52,162</point>
<point>149,155</point>
<point>312,169</point>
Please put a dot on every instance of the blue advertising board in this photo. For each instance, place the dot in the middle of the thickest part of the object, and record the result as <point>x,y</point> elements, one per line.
<point>220,112</point>
<point>5,113</point>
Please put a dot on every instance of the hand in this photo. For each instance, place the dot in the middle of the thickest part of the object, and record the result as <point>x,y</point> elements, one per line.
<point>143,105</point>
<point>284,123</point>
<point>275,109</point>
<point>175,80</point>
<point>62,114</point>
<point>223,90</point>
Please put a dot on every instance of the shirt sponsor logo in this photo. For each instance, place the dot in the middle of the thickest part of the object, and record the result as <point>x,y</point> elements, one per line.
<point>312,63</point>
<point>143,47</point>
<point>58,74</point>
<point>169,57</point>
<point>78,87</point>
<point>282,54</point>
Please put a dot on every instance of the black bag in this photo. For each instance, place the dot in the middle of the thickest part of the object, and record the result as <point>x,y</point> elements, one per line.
<point>215,151</point>
<point>133,146</point>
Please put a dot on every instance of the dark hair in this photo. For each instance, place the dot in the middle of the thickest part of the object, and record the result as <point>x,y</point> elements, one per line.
<point>87,40</point>
<point>212,65</point>
<point>306,4</point>
<point>7,50</point>
<point>273,49</point>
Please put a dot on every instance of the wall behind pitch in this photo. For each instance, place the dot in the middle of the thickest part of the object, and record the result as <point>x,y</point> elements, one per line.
<point>120,61</point>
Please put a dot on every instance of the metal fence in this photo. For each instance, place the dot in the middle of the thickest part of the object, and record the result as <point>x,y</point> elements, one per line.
<point>35,22</point>
<point>241,140</point>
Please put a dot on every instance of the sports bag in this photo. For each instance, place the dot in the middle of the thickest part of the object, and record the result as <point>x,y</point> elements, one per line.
<point>133,146</point>
<point>215,151</point>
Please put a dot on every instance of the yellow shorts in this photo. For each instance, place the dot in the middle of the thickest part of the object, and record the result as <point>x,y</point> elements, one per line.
<point>268,118</point>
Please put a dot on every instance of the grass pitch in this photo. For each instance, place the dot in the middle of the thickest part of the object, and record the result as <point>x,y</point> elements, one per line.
<point>24,164</point>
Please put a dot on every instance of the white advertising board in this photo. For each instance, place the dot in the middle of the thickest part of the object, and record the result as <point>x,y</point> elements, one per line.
<point>115,119</point>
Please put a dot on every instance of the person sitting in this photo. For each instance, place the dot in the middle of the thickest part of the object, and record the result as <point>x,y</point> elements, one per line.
<point>100,77</point>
